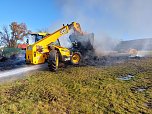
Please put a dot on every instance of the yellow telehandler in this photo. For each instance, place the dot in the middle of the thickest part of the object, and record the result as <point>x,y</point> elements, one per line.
<point>66,45</point>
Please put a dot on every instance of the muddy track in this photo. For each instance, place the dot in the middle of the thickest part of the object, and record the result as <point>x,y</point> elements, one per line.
<point>17,73</point>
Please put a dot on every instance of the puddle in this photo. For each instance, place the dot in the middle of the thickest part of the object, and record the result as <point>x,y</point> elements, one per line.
<point>125,78</point>
<point>140,88</point>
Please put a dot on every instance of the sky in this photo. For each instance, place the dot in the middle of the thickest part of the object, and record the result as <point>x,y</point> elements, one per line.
<point>116,19</point>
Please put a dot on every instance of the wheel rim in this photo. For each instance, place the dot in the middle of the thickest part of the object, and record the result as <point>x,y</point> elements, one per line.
<point>75,58</point>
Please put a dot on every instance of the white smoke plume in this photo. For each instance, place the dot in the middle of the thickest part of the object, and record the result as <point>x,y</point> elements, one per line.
<point>145,49</point>
<point>125,17</point>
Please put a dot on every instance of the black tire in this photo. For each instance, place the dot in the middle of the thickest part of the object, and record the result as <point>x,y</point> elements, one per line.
<point>53,60</point>
<point>76,58</point>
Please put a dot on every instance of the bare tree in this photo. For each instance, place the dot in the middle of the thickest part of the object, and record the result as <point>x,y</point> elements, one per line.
<point>17,32</point>
<point>5,37</point>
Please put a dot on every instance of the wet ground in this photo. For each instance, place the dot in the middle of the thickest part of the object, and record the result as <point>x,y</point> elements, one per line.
<point>17,73</point>
<point>18,62</point>
<point>125,78</point>
<point>12,64</point>
<point>16,65</point>
<point>140,88</point>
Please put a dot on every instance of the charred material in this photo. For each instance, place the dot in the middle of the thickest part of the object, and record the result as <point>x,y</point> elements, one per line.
<point>82,43</point>
<point>3,59</point>
<point>107,60</point>
<point>15,61</point>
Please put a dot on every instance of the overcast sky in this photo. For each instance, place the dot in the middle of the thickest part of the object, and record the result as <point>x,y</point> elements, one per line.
<point>118,19</point>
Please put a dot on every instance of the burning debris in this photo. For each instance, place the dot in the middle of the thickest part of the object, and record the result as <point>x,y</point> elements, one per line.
<point>132,52</point>
<point>107,60</point>
<point>136,48</point>
<point>3,59</point>
<point>14,61</point>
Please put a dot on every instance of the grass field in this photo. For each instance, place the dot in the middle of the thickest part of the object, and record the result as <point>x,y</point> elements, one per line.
<point>77,90</point>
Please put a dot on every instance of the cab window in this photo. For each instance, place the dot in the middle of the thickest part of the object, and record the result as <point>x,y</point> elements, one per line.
<point>56,43</point>
<point>38,37</point>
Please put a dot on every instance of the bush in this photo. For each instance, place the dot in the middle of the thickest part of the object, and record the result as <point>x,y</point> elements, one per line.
<point>8,52</point>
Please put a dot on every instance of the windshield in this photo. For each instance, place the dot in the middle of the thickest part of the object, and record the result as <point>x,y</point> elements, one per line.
<point>34,38</point>
<point>65,41</point>
<point>38,37</point>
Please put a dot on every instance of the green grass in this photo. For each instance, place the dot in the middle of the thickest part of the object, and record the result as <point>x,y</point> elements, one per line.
<point>77,90</point>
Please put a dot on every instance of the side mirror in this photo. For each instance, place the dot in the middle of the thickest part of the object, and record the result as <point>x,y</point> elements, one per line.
<point>27,41</point>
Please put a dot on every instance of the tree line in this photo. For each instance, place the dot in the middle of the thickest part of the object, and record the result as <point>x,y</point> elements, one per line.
<point>10,35</point>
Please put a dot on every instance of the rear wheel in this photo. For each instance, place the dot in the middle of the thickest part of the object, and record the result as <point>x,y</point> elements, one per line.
<point>53,60</point>
<point>76,58</point>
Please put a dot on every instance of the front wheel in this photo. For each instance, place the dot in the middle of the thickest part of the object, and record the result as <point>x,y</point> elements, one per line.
<point>53,60</point>
<point>76,58</point>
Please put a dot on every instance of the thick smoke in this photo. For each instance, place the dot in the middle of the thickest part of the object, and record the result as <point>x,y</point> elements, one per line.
<point>110,20</point>
<point>86,13</point>
<point>145,49</point>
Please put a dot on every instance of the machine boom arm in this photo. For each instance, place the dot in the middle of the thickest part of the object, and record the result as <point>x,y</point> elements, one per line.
<point>52,37</point>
